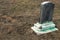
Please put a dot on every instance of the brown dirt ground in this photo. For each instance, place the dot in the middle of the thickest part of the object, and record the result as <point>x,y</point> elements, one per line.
<point>18,16</point>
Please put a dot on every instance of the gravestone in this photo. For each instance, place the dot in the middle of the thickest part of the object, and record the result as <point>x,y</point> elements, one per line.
<point>46,12</point>
<point>45,25</point>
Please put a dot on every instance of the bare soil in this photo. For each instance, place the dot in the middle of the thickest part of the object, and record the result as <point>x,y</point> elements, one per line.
<point>18,16</point>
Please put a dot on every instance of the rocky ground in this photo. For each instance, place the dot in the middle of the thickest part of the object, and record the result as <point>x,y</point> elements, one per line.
<point>18,16</point>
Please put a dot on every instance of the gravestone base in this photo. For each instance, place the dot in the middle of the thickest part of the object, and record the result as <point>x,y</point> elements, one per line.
<point>46,27</point>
